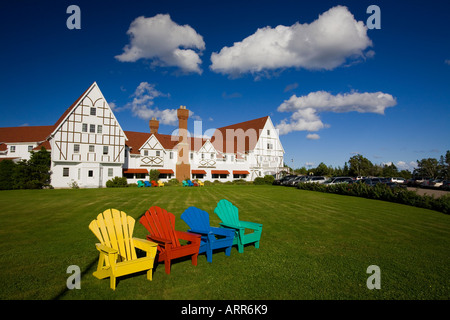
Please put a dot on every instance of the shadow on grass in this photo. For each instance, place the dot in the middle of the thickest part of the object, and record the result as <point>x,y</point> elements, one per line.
<point>83,273</point>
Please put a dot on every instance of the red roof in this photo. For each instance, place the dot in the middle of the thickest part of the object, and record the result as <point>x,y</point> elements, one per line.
<point>25,134</point>
<point>198,171</point>
<point>244,135</point>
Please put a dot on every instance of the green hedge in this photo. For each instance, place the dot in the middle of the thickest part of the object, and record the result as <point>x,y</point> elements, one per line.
<point>117,182</point>
<point>383,192</point>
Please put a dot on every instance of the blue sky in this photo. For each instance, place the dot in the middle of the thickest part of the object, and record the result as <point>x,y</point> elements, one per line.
<point>383,93</point>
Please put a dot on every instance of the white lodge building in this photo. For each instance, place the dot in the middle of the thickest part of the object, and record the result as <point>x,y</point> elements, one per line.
<point>89,147</point>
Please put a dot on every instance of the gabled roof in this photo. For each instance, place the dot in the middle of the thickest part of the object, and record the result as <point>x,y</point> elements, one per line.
<point>251,129</point>
<point>73,105</point>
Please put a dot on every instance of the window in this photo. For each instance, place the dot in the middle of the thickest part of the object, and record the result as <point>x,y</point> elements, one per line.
<point>158,153</point>
<point>268,132</point>
<point>269,146</point>
<point>212,155</point>
<point>92,128</point>
<point>93,111</point>
<point>203,156</point>
<point>105,149</point>
<point>30,148</point>
<point>170,155</point>
<point>99,128</point>
<point>90,173</point>
<point>84,129</point>
<point>65,172</point>
<point>12,149</point>
<point>192,156</point>
<point>110,172</point>
<point>145,152</point>
<point>225,158</point>
<point>91,148</point>
<point>76,148</point>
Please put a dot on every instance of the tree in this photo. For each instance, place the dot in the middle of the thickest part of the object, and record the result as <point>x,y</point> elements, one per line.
<point>360,166</point>
<point>7,168</point>
<point>321,170</point>
<point>154,175</point>
<point>389,171</point>
<point>427,168</point>
<point>34,173</point>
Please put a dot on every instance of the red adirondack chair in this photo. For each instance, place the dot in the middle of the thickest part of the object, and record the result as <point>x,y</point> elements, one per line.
<point>154,184</point>
<point>161,226</point>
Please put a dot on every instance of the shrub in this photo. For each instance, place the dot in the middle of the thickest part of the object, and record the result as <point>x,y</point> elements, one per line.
<point>117,182</point>
<point>172,182</point>
<point>154,175</point>
<point>259,181</point>
<point>383,192</point>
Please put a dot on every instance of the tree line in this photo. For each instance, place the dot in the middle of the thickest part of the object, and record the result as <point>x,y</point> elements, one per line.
<point>358,165</point>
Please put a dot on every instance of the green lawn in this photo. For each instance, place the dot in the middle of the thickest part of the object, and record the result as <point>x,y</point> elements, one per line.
<point>313,246</point>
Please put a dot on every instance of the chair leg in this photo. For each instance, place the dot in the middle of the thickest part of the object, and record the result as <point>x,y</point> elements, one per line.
<point>194,259</point>
<point>149,275</point>
<point>257,244</point>
<point>167,266</point>
<point>240,247</point>
<point>113,282</point>
<point>228,251</point>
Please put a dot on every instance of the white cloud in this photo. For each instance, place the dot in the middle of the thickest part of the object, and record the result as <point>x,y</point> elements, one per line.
<point>313,136</point>
<point>402,165</point>
<point>326,43</point>
<point>306,109</point>
<point>164,42</point>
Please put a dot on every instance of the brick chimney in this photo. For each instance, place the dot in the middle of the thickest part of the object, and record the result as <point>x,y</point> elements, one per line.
<point>183,167</point>
<point>154,125</point>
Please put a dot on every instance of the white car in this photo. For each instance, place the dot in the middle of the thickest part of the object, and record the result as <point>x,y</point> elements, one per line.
<point>337,180</point>
<point>316,180</point>
<point>398,180</point>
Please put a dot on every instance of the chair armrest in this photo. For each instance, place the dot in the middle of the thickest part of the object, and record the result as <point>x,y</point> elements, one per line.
<point>222,231</point>
<point>188,236</point>
<point>105,249</point>
<point>199,231</point>
<point>231,226</point>
<point>145,245</point>
<point>157,239</point>
<point>251,225</point>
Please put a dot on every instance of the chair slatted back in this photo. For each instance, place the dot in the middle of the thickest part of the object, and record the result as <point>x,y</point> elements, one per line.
<point>161,224</point>
<point>227,212</point>
<point>114,229</point>
<point>196,219</point>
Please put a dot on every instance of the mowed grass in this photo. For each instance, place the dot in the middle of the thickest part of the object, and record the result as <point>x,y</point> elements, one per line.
<point>313,246</point>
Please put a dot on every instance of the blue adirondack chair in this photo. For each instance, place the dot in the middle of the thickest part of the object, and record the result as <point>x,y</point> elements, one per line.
<point>147,183</point>
<point>212,237</point>
<point>190,183</point>
<point>229,215</point>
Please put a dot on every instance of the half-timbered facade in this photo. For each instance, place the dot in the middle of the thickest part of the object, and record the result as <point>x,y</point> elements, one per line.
<point>88,147</point>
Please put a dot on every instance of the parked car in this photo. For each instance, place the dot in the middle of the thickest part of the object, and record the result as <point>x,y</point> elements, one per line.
<point>281,180</point>
<point>372,181</point>
<point>445,185</point>
<point>398,180</point>
<point>337,180</point>
<point>287,182</point>
<point>318,179</point>
<point>295,181</point>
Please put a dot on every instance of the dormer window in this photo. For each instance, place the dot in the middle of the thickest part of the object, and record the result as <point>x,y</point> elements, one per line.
<point>93,111</point>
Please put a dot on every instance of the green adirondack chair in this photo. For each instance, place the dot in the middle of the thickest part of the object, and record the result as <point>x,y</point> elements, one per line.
<point>229,215</point>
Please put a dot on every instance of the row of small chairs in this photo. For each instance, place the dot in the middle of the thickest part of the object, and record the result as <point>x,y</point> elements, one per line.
<point>153,183</point>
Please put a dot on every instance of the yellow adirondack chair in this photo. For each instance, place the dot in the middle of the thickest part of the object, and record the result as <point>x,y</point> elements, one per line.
<point>117,247</point>
<point>160,183</point>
